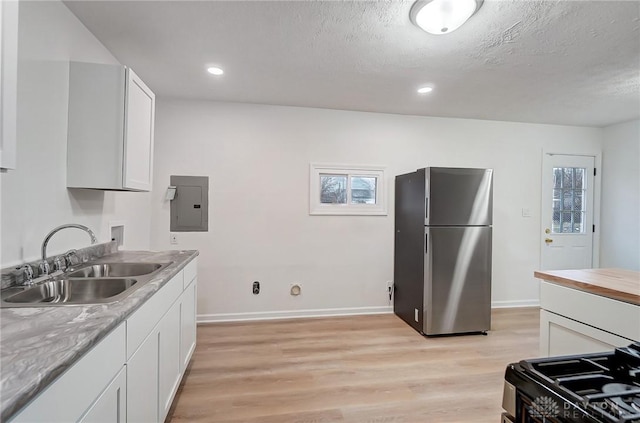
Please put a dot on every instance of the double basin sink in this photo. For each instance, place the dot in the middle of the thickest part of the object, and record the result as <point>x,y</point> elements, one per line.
<point>89,284</point>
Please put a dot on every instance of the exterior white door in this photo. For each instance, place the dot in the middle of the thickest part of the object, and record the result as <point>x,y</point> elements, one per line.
<point>566,241</point>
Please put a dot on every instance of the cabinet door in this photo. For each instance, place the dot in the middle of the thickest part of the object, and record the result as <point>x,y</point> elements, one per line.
<point>188,332</point>
<point>138,136</point>
<point>111,406</point>
<point>8,82</point>
<point>69,397</point>
<point>562,336</point>
<point>142,381</point>
<point>169,357</point>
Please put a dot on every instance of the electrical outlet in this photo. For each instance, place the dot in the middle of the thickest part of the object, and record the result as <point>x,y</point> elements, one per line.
<point>116,229</point>
<point>390,289</point>
<point>173,239</point>
<point>256,288</point>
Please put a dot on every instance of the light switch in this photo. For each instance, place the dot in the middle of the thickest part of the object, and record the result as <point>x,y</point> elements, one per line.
<point>526,212</point>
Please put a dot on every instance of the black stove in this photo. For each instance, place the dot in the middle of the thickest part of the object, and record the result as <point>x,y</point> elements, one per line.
<point>598,388</point>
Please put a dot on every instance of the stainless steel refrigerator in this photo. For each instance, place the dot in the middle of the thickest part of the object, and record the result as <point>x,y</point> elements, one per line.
<point>442,263</point>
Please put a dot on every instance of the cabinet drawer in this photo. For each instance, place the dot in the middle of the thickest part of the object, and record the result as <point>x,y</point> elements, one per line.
<point>190,272</point>
<point>140,324</point>
<point>617,317</point>
<point>102,362</point>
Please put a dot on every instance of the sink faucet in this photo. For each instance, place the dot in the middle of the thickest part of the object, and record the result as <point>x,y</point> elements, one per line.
<point>44,265</point>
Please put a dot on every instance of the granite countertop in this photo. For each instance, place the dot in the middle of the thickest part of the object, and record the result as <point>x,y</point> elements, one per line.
<point>617,284</point>
<point>37,344</point>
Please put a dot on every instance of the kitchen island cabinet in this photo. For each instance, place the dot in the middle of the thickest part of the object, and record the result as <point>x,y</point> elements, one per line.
<point>590,310</point>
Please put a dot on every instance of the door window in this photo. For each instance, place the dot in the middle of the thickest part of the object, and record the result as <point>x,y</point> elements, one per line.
<point>569,192</point>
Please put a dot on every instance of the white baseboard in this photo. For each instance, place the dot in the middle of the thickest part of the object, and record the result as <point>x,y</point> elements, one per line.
<point>330,312</point>
<point>515,304</point>
<point>291,314</point>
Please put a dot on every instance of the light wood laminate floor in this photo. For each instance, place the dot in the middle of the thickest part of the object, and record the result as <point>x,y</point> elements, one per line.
<point>369,369</point>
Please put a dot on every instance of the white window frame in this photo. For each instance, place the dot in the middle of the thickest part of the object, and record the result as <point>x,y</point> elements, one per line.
<point>318,208</point>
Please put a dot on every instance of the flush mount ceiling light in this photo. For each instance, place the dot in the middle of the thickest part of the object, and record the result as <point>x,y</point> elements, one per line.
<point>214,70</point>
<point>442,16</point>
<point>424,90</point>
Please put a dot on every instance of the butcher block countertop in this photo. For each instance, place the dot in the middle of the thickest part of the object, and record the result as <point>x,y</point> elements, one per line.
<point>618,284</point>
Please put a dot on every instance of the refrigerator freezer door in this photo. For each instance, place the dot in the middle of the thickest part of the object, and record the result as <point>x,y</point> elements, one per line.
<point>458,197</point>
<point>409,249</point>
<point>457,291</point>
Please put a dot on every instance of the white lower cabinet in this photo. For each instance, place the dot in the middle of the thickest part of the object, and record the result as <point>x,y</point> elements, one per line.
<point>111,406</point>
<point>562,336</point>
<point>169,357</point>
<point>155,369</point>
<point>133,374</point>
<point>578,322</point>
<point>84,385</point>
<point>142,381</point>
<point>188,331</point>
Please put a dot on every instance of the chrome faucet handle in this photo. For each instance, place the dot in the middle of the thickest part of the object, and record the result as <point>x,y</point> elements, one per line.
<point>59,264</point>
<point>44,268</point>
<point>27,273</point>
<point>68,255</point>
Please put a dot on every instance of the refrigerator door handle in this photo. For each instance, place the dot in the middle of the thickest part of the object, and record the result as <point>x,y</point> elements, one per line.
<point>426,208</point>
<point>426,243</point>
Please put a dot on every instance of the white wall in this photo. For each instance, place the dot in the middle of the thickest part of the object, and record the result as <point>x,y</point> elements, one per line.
<point>257,158</point>
<point>620,245</point>
<point>34,197</point>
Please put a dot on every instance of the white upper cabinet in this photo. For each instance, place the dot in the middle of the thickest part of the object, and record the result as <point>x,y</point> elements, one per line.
<point>138,138</point>
<point>8,82</point>
<point>111,120</point>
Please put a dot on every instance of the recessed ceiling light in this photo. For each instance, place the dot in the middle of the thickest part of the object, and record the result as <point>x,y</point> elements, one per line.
<point>214,70</point>
<point>442,16</point>
<point>424,90</point>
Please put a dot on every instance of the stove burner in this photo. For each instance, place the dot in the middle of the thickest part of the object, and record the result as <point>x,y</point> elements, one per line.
<point>617,388</point>
<point>600,387</point>
<point>621,404</point>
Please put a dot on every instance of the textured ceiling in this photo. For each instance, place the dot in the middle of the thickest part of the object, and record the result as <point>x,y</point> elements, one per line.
<point>564,62</point>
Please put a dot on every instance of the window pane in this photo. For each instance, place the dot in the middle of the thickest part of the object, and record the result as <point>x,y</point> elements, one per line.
<point>566,223</point>
<point>363,190</point>
<point>579,178</point>
<point>577,200</point>
<point>556,222</point>
<point>333,189</point>
<point>567,180</point>
<point>578,222</point>
<point>567,200</point>
<point>557,177</point>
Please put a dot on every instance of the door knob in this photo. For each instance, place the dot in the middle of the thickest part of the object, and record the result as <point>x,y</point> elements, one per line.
<point>548,240</point>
